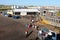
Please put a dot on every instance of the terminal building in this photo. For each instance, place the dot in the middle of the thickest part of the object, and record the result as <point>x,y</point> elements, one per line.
<point>24,12</point>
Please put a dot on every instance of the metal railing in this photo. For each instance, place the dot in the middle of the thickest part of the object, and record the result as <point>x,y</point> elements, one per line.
<point>53,21</point>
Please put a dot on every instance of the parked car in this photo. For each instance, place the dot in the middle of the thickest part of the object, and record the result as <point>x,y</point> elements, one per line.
<point>45,34</point>
<point>16,16</point>
<point>5,14</point>
<point>9,15</point>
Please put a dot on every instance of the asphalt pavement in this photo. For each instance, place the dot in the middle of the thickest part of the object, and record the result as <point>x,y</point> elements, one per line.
<point>11,29</point>
<point>14,29</point>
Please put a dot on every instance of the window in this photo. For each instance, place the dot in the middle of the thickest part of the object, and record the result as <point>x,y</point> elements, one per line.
<point>31,13</point>
<point>59,21</point>
<point>56,21</point>
<point>17,13</point>
<point>52,14</point>
<point>44,11</point>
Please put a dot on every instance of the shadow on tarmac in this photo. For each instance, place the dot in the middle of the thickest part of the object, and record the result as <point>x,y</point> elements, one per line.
<point>29,34</point>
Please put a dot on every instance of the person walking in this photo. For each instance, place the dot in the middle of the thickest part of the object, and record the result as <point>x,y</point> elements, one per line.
<point>26,32</point>
<point>29,26</point>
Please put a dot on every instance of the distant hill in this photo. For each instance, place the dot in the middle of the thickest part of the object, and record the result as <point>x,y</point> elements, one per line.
<point>4,7</point>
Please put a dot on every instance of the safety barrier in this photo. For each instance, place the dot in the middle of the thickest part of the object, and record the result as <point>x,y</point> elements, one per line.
<point>53,21</point>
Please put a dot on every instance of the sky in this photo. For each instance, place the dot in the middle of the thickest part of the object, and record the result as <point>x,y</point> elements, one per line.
<point>31,2</point>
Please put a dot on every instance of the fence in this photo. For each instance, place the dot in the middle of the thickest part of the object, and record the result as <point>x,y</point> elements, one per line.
<point>53,21</point>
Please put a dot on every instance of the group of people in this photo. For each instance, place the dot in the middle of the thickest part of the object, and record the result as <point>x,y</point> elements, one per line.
<point>31,25</point>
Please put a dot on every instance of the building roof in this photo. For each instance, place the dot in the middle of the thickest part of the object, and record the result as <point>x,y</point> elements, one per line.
<point>25,10</point>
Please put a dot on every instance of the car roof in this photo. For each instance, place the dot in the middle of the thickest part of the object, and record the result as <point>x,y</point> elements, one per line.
<point>45,29</point>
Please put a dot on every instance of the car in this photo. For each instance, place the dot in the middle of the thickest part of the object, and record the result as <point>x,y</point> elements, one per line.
<point>16,16</point>
<point>45,34</point>
<point>9,15</point>
<point>5,14</point>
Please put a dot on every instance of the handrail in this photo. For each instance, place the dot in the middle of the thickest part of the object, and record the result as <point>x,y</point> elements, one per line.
<point>54,21</point>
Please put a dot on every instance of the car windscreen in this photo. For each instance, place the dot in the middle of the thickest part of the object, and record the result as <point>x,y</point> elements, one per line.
<point>50,37</point>
<point>53,34</point>
<point>45,30</point>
